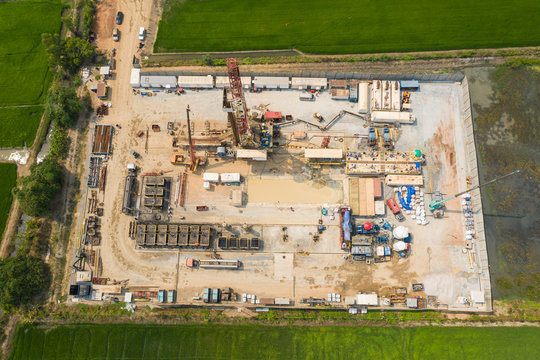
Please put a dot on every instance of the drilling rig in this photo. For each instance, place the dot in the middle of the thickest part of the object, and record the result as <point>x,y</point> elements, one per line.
<point>242,134</point>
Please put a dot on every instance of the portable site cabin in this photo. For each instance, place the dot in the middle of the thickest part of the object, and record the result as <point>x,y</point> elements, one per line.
<point>363,97</point>
<point>151,81</point>
<point>211,177</point>
<point>258,155</point>
<point>223,82</point>
<point>231,178</point>
<point>367,299</point>
<point>306,83</point>
<point>196,82</point>
<point>409,84</point>
<point>392,117</point>
<point>135,78</point>
<point>271,82</point>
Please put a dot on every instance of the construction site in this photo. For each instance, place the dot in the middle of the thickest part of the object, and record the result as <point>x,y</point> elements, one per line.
<point>263,190</point>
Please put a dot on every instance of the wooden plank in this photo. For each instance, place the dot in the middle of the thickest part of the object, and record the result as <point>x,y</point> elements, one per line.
<point>370,198</point>
<point>413,180</point>
<point>353,195</point>
<point>362,196</point>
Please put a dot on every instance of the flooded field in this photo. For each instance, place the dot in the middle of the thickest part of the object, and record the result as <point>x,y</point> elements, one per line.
<point>506,110</point>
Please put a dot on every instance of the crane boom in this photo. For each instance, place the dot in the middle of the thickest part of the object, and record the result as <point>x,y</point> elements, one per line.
<point>436,204</point>
<point>191,146</point>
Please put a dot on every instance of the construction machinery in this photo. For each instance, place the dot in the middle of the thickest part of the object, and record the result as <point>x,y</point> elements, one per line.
<point>194,161</point>
<point>406,97</point>
<point>436,205</point>
<point>372,137</point>
<point>388,140</point>
<point>177,159</point>
<point>318,116</point>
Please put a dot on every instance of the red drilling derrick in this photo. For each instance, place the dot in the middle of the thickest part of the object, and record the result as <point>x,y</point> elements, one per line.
<point>238,102</point>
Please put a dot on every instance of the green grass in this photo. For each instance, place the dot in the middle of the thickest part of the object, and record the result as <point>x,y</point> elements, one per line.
<point>213,341</point>
<point>24,73</point>
<point>8,177</point>
<point>18,125</point>
<point>345,27</point>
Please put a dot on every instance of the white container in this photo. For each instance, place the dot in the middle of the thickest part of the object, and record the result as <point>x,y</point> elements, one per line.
<point>206,185</point>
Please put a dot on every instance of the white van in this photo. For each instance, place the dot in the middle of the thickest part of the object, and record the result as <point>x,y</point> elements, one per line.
<point>307,96</point>
<point>142,34</point>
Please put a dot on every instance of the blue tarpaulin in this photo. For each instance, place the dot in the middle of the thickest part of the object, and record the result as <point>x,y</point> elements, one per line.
<point>346,226</point>
<point>406,203</point>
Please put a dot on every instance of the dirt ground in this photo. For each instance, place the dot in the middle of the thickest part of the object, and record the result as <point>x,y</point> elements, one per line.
<point>278,191</point>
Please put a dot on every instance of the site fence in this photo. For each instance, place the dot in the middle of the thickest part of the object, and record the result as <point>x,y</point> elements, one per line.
<point>472,162</point>
<point>330,76</point>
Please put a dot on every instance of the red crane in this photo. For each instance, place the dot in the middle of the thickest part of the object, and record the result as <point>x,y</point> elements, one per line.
<point>194,160</point>
<point>241,128</point>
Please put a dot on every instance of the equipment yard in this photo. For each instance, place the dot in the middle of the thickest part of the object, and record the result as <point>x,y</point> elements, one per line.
<point>292,209</point>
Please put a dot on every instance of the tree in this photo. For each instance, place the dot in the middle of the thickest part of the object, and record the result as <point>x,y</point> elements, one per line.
<point>63,106</point>
<point>39,188</point>
<point>74,52</point>
<point>69,54</point>
<point>59,143</point>
<point>53,47</point>
<point>21,278</point>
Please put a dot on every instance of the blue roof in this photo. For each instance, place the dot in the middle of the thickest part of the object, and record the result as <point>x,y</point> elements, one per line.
<point>409,84</point>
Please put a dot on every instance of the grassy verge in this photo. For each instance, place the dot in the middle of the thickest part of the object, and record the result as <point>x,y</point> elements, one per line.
<point>8,178</point>
<point>345,27</point>
<point>128,341</point>
<point>19,125</point>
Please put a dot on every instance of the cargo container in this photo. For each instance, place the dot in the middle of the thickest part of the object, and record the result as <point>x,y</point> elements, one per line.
<point>206,295</point>
<point>216,296</point>
<point>161,296</point>
<point>171,298</point>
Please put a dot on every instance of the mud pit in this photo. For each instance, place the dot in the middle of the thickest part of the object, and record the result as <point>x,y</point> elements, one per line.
<point>279,193</point>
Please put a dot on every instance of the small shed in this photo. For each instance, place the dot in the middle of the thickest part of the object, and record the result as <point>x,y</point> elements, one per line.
<point>105,71</point>
<point>83,276</point>
<point>151,81</point>
<point>271,82</point>
<point>259,155</point>
<point>135,78</point>
<point>340,94</point>
<point>367,299</point>
<point>339,84</point>
<point>412,303</point>
<point>237,198</point>
<point>196,82</point>
<point>302,83</point>
<point>101,90</point>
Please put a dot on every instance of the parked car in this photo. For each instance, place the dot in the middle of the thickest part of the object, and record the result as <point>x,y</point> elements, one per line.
<point>142,34</point>
<point>116,35</point>
<point>119,18</point>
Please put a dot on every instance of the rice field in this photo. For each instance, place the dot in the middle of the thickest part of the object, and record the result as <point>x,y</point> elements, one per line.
<point>215,341</point>
<point>345,27</point>
<point>24,72</point>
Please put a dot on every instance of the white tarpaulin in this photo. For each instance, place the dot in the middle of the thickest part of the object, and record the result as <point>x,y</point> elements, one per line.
<point>400,246</point>
<point>401,232</point>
